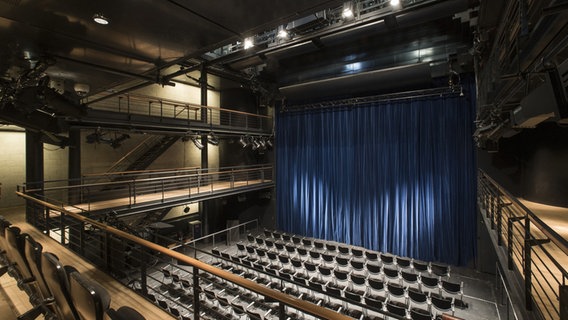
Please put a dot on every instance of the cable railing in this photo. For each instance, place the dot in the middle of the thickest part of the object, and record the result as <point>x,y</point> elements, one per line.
<point>151,187</point>
<point>186,287</point>
<point>534,250</point>
<point>161,108</point>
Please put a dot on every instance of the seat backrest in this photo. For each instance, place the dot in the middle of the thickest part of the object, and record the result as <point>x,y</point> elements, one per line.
<point>451,287</point>
<point>55,276</point>
<point>33,252</point>
<point>398,310</point>
<point>417,296</point>
<point>441,303</point>
<point>90,299</point>
<point>376,284</point>
<point>4,224</point>
<point>15,242</point>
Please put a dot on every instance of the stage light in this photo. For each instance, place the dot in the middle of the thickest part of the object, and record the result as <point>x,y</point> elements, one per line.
<point>249,43</point>
<point>213,139</point>
<point>101,19</point>
<point>196,142</point>
<point>395,3</point>
<point>243,142</point>
<point>347,13</point>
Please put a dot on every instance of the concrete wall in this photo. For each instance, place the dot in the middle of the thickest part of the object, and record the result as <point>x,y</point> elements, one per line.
<point>12,167</point>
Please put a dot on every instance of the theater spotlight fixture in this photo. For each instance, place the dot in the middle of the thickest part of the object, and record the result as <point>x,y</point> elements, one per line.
<point>255,144</point>
<point>395,3</point>
<point>101,19</point>
<point>213,139</point>
<point>243,142</point>
<point>196,142</point>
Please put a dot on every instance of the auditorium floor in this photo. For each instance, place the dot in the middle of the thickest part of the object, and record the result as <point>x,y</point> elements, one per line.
<point>480,292</point>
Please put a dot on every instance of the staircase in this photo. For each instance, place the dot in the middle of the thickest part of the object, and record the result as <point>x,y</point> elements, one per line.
<point>144,154</point>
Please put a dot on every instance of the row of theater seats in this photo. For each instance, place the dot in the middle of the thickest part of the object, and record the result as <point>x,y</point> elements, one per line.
<point>54,290</point>
<point>379,284</point>
<point>329,251</point>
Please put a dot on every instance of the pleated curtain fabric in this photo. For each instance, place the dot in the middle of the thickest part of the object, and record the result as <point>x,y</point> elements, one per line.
<point>398,177</point>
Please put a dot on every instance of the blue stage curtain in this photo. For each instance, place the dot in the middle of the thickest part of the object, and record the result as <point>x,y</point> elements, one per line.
<point>397,177</point>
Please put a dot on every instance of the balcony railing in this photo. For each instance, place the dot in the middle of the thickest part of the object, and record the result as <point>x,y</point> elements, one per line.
<point>160,108</point>
<point>172,279</point>
<point>534,250</point>
<point>148,187</point>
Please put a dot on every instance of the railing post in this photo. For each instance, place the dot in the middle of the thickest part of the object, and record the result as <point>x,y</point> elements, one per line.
<point>281,311</point>
<point>82,238</point>
<point>106,251</point>
<point>61,227</point>
<point>527,267</point>
<point>163,198</point>
<point>510,240</point>
<point>128,103</point>
<point>232,178</point>
<point>196,290</point>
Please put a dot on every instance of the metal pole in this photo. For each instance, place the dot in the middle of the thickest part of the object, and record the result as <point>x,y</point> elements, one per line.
<point>196,293</point>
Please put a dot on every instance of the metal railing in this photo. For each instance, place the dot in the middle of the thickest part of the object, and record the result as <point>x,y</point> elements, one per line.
<point>150,187</point>
<point>535,251</point>
<point>173,280</point>
<point>138,104</point>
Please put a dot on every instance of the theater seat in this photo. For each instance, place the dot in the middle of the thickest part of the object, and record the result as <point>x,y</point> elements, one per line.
<point>125,313</point>
<point>91,300</point>
<point>57,281</point>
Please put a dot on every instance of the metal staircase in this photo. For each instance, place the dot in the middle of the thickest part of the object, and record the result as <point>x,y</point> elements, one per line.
<point>143,154</point>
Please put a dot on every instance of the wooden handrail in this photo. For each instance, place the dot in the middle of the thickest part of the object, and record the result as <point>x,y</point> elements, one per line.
<point>296,303</point>
<point>103,174</point>
<point>151,179</point>
<point>560,242</point>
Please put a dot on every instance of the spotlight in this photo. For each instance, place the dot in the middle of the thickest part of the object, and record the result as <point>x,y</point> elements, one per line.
<point>347,13</point>
<point>395,3</point>
<point>248,43</point>
<point>255,144</point>
<point>283,34</point>
<point>269,144</point>
<point>212,139</point>
<point>196,142</point>
<point>101,19</point>
<point>243,142</point>
<point>262,143</point>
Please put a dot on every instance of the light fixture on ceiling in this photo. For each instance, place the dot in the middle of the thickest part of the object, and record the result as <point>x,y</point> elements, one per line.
<point>213,139</point>
<point>101,19</point>
<point>269,143</point>
<point>255,144</point>
<point>395,3</point>
<point>347,12</point>
<point>196,142</point>
<point>283,33</point>
<point>249,43</point>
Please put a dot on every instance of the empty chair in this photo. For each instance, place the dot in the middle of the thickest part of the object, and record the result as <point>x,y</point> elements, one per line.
<point>429,282</point>
<point>15,253</point>
<point>90,299</point>
<point>56,278</point>
<point>420,266</point>
<point>241,249</point>
<point>333,290</point>
<point>273,258</point>
<point>125,313</point>
<point>286,237</point>
<point>290,249</point>
<point>330,247</point>
<point>440,270</point>
<point>403,262</point>
<point>343,250</point>
<point>251,239</point>
<point>442,304</point>
<point>296,240</point>
<point>341,276</point>
<point>453,288</point>
<point>396,309</point>
<point>314,255</point>
<point>373,268</point>
<point>269,244</point>
<point>279,246</point>
<point>276,235</point>
<point>267,234</point>
<point>342,262</point>
<point>357,252</point>
<point>371,256</point>
<point>259,241</point>
<point>324,272</point>
<point>317,286</point>
<point>261,254</point>
<point>238,309</point>
<point>285,264</point>
<point>374,301</point>
<point>386,258</point>
<point>328,258</point>
<point>33,251</point>
<point>376,284</point>
<point>417,297</point>
<point>307,242</point>
<point>310,267</point>
<point>419,314</point>
<point>297,264</point>
<point>319,245</point>
<point>302,253</point>
<point>392,274</point>
<point>357,264</point>
<point>359,281</point>
<point>410,278</point>
<point>396,291</point>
